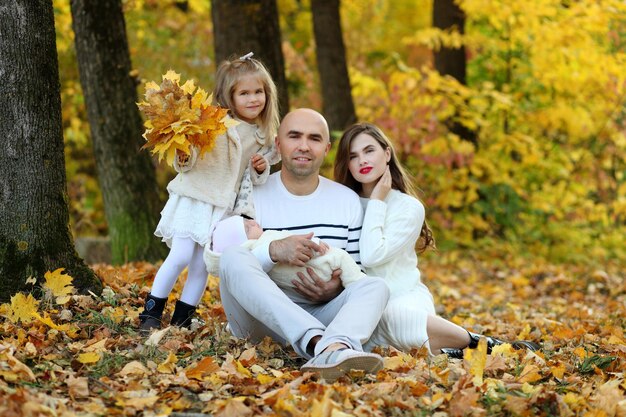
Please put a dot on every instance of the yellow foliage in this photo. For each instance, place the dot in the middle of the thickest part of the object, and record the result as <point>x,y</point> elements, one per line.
<point>476,360</point>
<point>59,284</point>
<point>179,116</point>
<point>22,308</point>
<point>89,357</point>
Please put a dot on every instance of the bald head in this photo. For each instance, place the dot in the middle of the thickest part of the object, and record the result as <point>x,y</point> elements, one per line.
<point>304,116</point>
<point>303,141</point>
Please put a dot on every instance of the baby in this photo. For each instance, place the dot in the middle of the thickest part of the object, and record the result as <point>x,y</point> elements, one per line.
<point>247,233</point>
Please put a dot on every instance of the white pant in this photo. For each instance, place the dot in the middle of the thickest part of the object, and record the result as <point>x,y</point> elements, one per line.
<point>256,307</point>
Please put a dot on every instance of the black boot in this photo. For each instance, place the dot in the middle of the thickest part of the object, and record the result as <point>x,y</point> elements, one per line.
<point>457,353</point>
<point>151,316</point>
<point>183,313</point>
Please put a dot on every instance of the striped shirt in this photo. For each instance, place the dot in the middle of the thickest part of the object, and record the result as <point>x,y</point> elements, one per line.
<point>332,212</point>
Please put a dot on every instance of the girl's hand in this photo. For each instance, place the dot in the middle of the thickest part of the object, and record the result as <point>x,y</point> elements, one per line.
<point>258,163</point>
<point>182,158</point>
<point>382,188</point>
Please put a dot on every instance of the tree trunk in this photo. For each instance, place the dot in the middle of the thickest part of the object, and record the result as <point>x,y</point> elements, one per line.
<point>242,26</point>
<point>34,221</point>
<point>338,107</point>
<point>452,61</point>
<point>125,173</point>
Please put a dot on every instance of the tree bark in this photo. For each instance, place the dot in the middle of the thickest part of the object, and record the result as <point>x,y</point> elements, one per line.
<point>34,221</point>
<point>338,107</point>
<point>125,173</point>
<point>242,26</point>
<point>452,61</point>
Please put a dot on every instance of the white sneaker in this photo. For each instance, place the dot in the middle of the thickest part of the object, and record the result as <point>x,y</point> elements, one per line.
<point>334,364</point>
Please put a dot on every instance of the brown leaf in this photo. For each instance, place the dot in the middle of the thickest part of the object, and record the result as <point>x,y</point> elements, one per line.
<point>203,368</point>
<point>234,408</point>
<point>78,387</point>
<point>248,357</point>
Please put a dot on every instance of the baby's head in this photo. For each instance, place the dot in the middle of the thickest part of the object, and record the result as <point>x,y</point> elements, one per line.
<point>234,231</point>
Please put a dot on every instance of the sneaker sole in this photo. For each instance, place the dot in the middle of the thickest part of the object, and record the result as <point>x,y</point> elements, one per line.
<point>364,363</point>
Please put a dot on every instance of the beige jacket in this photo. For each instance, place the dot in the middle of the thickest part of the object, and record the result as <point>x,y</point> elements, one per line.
<point>212,177</point>
<point>283,274</point>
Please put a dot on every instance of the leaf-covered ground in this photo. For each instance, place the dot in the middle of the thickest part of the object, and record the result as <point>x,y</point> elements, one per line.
<point>81,355</point>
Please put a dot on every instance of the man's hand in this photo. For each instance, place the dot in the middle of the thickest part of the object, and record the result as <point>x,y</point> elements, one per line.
<point>258,163</point>
<point>294,250</point>
<point>316,289</point>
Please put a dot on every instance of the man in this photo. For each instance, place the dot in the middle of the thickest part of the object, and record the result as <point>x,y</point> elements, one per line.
<point>298,199</point>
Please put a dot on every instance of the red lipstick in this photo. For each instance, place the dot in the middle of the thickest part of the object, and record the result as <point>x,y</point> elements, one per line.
<point>365,170</point>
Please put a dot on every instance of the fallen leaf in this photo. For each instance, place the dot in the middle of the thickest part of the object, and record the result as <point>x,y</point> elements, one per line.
<point>59,284</point>
<point>205,367</point>
<point>155,337</point>
<point>89,357</point>
<point>134,368</point>
<point>234,408</point>
<point>78,387</point>
<point>476,360</point>
<point>169,365</point>
<point>22,308</point>
<point>11,369</point>
<point>530,373</point>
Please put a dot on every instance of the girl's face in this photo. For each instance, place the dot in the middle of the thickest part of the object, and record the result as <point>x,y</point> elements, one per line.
<point>249,98</point>
<point>368,159</point>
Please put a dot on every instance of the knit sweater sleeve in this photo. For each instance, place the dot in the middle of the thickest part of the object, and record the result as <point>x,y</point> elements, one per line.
<point>387,228</point>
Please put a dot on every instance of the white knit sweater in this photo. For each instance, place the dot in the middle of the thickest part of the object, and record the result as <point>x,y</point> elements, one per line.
<point>215,177</point>
<point>390,230</point>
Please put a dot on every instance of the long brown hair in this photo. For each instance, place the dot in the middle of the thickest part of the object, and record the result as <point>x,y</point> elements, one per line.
<point>400,180</point>
<point>228,74</point>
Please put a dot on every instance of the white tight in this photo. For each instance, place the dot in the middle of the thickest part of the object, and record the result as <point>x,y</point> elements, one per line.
<point>184,252</point>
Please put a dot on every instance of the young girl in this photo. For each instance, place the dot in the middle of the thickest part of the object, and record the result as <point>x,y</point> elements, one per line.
<point>212,185</point>
<point>394,222</point>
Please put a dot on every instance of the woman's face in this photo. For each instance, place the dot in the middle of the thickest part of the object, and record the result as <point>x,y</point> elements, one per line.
<point>368,159</point>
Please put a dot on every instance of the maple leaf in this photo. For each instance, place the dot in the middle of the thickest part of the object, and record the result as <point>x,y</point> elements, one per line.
<point>179,117</point>
<point>68,329</point>
<point>22,308</point>
<point>205,367</point>
<point>476,359</point>
<point>59,284</point>
<point>168,365</point>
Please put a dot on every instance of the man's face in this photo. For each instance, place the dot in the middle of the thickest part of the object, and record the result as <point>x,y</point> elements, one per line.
<point>303,143</point>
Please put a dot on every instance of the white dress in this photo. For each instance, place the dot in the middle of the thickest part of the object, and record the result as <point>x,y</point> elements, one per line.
<point>192,218</point>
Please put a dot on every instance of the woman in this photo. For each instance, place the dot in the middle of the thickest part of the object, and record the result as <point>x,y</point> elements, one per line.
<point>394,222</point>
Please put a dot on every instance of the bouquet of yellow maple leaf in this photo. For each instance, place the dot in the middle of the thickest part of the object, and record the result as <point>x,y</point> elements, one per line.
<point>180,116</point>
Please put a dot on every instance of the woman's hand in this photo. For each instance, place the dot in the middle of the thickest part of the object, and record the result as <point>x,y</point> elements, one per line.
<point>258,163</point>
<point>382,188</point>
<point>316,289</point>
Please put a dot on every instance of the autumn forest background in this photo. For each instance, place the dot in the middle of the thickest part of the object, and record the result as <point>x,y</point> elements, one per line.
<point>509,115</point>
